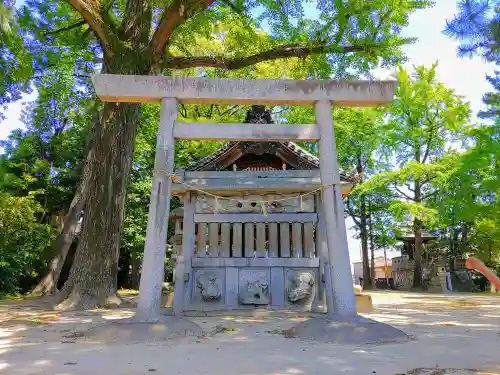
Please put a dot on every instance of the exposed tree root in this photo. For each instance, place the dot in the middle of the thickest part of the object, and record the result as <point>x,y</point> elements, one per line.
<point>85,301</point>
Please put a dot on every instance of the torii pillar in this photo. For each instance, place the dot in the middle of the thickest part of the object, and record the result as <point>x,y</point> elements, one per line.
<point>344,301</point>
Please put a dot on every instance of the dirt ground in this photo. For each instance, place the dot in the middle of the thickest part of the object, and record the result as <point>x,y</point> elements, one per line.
<point>451,334</point>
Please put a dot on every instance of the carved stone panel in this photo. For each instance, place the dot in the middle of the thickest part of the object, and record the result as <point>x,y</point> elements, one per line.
<point>209,285</point>
<point>277,203</point>
<point>300,287</point>
<point>254,287</point>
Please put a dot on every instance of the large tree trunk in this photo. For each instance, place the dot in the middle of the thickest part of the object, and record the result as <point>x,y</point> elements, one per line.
<point>363,228</point>
<point>418,224</point>
<point>92,280</point>
<point>48,285</point>
<point>417,274</point>
<point>372,251</point>
<point>124,264</point>
<point>372,246</point>
<point>135,272</point>
<point>417,252</point>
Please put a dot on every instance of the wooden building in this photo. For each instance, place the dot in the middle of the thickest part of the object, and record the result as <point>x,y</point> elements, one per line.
<point>256,225</point>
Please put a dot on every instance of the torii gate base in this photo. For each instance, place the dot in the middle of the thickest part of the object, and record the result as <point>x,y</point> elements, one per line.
<point>341,305</point>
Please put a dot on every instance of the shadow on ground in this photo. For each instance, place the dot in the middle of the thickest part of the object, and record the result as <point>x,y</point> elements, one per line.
<point>451,335</point>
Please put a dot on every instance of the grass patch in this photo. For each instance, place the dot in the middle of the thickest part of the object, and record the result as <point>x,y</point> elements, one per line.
<point>229,329</point>
<point>32,320</point>
<point>128,292</point>
<point>17,297</point>
<point>277,332</point>
<point>451,302</point>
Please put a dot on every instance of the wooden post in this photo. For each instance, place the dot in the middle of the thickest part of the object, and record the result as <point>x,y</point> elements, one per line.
<point>225,241</point>
<point>201,243</point>
<point>308,240</point>
<point>297,243</point>
<point>183,262</point>
<point>237,242</point>
<point>213,240</point>
<point>260,249</point>
<point>333,214</point>
<point>273,240</point>
<point>249,240</point>
<point>284,240</point>
<point>322,252</point>
<point>148,308</point>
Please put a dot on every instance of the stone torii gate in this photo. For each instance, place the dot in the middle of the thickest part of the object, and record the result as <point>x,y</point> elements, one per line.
<point>169,91</point>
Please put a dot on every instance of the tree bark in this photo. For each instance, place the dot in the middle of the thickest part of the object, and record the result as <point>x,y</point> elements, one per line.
<point>417,230</point>
<point>92,281</point>
<point>372,246</point>
<point>124,264</point>
<point>417,273</point>
<point>363,228</point>
<point>465,235</point>
<point>48,285</point>
<point>135,272</point>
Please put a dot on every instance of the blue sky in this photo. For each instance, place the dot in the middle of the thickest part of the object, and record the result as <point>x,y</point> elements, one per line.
<point>466,76</point>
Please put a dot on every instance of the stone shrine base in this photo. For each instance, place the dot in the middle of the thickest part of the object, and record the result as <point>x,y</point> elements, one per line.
<point>354,330</point>
<point>131,331</point>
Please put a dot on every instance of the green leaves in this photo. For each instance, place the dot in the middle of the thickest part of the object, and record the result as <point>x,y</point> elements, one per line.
<point>15,61</point>
<point>24,243</point>
<point>477,27</point>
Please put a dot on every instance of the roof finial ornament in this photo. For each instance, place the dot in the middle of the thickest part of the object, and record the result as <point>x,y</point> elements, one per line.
<point>258,114</point>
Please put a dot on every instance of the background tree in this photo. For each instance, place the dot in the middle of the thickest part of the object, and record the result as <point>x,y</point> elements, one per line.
<point>24,242</point>
<point>15,62</point>
<point>477,27</point>
<point>425,117</point>
<point>359,136</point>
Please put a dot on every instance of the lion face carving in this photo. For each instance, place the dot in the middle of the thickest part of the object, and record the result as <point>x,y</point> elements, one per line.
<point>209,289</point>
<point>256,293</point>
<point>301,287</point>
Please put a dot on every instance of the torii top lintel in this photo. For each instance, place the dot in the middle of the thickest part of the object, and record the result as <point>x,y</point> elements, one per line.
<point>133,89</point>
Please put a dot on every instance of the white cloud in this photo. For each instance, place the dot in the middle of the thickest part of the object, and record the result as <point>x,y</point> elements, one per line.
<point>13,114</point>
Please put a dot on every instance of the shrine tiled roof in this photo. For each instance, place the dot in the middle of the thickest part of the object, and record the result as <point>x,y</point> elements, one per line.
<point>309,160</point>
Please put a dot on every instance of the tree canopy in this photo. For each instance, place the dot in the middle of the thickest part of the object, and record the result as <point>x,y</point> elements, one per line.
<point>415,173</point>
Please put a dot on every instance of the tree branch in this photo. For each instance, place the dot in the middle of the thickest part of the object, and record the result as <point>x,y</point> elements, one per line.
<point>408,186</point>
<point>352,214</point>
<point>234,7</point>
<point>381,21</point>
<point>136,23</point>
<point>173,16</point>
<point>89,10</point>
<point>427,181</point>
<point>67,28</point>
<point>228,110</point>
<point>285,51</point>
<point>431,136</point>
<point>354,218</point>
<point>431,194</point>
<point>403,194</point>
